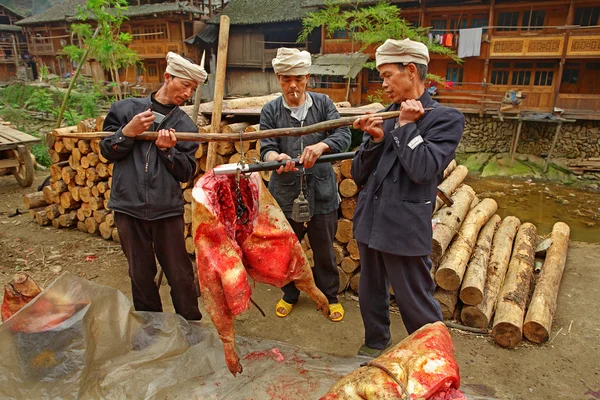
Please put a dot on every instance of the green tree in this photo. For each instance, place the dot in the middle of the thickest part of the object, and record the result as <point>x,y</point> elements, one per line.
<point>368,26</point>
<point>105,43</point>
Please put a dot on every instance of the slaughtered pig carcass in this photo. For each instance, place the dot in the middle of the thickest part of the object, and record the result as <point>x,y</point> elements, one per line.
<point>422,366</point>
<point>238,227</point>
<point>17,293</point>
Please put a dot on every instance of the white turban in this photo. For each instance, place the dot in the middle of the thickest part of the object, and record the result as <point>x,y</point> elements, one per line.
<point>182,68</point>
<point>402,51</point>
<point>291,62</point>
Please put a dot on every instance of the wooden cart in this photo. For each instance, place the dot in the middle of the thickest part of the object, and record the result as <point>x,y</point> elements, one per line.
<point>15,157</point>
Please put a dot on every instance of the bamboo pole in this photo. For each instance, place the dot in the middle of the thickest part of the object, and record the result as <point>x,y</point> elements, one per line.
<point>219,88</point>
<point>235,137</point>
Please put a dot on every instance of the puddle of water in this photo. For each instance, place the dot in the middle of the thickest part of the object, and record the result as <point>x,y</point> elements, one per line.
<point>544,204</point>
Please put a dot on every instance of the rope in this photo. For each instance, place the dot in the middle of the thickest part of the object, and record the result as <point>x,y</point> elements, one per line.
<point>405,394</point>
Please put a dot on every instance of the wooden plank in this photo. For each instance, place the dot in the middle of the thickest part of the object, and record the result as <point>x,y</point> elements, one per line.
<point>16,136</point>
<point>9,163</point>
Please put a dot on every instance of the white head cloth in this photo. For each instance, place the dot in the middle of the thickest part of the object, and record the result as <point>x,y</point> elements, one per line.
<point>182,68</point>
<point>402,51</point>
<point>291,62</point>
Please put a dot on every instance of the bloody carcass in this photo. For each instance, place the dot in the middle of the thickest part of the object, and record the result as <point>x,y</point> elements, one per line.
<point>238,228</point>
<point>422,366</point>
<point>17,293</point>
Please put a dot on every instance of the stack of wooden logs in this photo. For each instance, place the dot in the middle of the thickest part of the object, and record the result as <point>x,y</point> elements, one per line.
<point>483,265</point>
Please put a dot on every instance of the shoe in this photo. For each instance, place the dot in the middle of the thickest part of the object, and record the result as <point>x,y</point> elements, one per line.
<point>282,304</point>
<point>336,308</point>
<point>371,352</point>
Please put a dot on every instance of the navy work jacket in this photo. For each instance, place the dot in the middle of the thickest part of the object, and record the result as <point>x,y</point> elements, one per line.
<point>400,175</point>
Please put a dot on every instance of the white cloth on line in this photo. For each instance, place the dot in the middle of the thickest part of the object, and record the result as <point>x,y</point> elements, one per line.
<point>469,44</point>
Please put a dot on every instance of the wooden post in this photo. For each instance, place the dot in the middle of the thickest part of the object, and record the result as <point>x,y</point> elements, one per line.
<point>15,51</point>
<point>486,65</point>
<point>563,56</point>
<point>552,146</point>
<point>515,142</point>
<point>198,96</point>
<point>219,88</point>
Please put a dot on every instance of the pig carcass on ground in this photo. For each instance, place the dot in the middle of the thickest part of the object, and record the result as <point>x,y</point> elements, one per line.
<point>422,366</point>
<point>259,241</point>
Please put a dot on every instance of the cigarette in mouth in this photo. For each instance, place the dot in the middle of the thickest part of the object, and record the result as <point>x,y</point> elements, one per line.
<point>296,94</point>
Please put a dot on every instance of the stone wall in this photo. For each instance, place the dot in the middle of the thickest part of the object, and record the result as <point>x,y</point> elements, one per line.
<point>580,139</point>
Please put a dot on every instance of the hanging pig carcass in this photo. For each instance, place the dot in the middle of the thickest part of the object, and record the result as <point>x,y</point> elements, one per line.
<point>239,230</point>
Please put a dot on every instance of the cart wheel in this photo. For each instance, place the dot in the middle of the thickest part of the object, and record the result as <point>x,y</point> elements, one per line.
<point>24,173</point>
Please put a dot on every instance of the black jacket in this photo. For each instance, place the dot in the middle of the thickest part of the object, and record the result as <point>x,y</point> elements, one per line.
<point>400,177</point>
<point>145,179</point>
<point>320,185</point>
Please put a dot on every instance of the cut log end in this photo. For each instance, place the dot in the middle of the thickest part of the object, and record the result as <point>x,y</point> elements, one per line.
<point>536,332</point>
<point>474,317</point>
<point>507,335</point>
<point>471,296</point>
<point>447,279</point>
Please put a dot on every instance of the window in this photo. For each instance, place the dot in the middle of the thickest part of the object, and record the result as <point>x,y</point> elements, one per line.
<point>543,78</point>
<point>136,32</point>
<point>570,75</point>
<point>534,18</point>
<point>340,34</point>
<point>478,22</point>
<point>454,73</point>
<point>508,20</point>
<point>500,71</point>
<point>155,32</point>
<point>373,76</point>
<point>151,68</point>
<point>438,26</point>
<point>586,16</point>
<point>592,66</point>
<point>500,77</point>
<point>521,78</point>
<point>4,20</point>
<point>456,24</point>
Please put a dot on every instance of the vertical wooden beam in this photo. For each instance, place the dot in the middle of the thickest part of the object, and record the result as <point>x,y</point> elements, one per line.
<point>515,142</point>
<point>563,57</point>
<point>556,134</point>
<point>486,64</point>
<point>198,96</point>
<point>422,14</point>
<point>15,52</point>
<point>211,157</point>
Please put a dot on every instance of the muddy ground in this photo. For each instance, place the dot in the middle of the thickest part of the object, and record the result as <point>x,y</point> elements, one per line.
<point>566,368</point>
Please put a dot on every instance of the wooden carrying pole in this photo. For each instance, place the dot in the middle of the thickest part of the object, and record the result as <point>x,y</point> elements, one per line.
<point>219,88</point>
<point>247,136</point>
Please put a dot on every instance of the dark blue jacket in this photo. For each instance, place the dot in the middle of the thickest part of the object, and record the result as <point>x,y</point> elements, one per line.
<point>400,176</point>
<point>146,180</point>
<point>320,184</point>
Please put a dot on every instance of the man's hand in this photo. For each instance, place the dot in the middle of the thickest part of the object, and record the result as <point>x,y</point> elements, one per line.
<point>166,138</point>
<point>372,124</point>
<point>289,165</point>
<point>139,124</point>
<point>410,111</point>
<point>312,153</point>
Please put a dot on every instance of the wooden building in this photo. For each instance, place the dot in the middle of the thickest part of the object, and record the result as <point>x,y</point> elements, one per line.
<point>549,50</point>
<point>257,29</point>
<point>13,46</point>
<point>156,28</point>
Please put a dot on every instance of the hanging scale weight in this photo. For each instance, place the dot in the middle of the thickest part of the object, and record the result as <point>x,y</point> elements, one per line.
<point>301,207</point>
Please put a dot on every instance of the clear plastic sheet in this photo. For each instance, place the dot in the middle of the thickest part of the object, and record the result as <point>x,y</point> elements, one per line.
<point>82,340</point>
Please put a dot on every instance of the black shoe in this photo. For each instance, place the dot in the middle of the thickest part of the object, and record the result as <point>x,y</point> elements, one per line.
<point>371,352</point>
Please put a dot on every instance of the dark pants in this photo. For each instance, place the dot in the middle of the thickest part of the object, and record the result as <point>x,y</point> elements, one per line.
<point>140,239</point>
<point>413,287</point>
<point>321,232</point>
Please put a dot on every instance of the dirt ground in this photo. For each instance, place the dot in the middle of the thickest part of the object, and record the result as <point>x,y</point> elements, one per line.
<point>565,368</point>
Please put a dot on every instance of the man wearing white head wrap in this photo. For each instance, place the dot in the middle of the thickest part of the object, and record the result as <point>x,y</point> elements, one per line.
<point>146,192</point>
<point>399,164</point>
<point>295,108</point>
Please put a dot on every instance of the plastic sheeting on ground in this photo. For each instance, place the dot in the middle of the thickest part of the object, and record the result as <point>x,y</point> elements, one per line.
<point>82,340</point>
